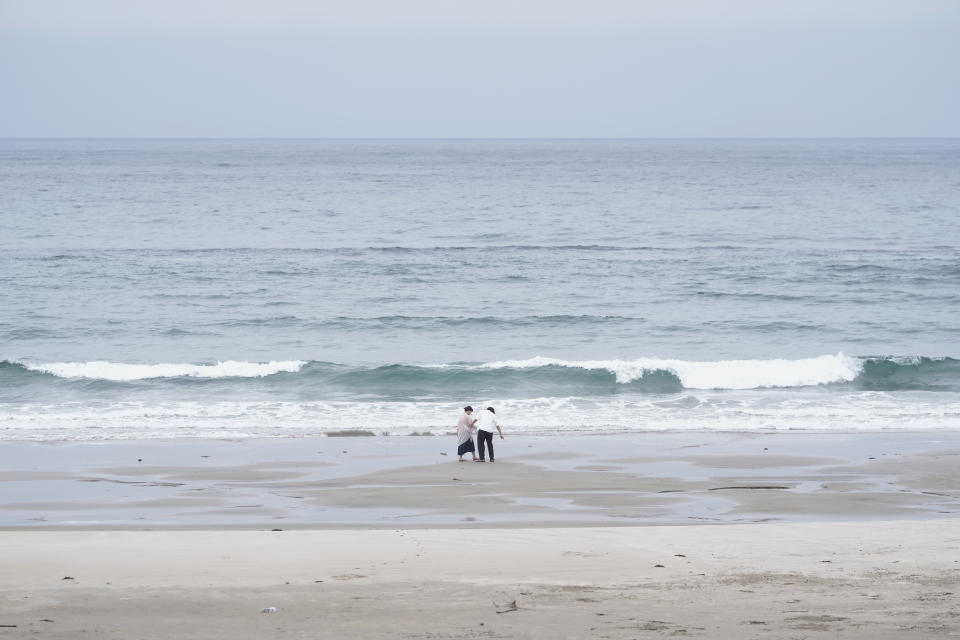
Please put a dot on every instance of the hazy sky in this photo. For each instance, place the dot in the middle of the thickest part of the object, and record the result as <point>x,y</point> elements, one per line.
<point>491,68</point>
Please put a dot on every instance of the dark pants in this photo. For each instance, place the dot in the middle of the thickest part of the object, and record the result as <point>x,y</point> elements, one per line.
<point>485,437</point>
<point>466,447</point>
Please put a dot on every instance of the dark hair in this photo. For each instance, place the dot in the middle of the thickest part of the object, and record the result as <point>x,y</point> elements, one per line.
<point>490,409</point>
<point>468,408</point>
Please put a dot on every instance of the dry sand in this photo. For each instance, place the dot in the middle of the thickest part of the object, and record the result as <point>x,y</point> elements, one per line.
<point>810,536</point>
<point>800,580</point>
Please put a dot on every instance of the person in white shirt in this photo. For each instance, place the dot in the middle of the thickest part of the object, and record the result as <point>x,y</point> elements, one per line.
<point>465,433</point>
<point>488,420</point>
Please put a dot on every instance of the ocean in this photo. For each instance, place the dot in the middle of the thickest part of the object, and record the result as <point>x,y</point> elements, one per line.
<point>259,288</point>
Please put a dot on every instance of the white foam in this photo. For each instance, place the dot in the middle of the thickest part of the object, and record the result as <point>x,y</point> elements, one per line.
<point>722,374</point>
<point>746,411</point>
<point>119,371</point>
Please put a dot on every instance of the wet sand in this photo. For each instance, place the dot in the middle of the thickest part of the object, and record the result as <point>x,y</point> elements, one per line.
<point>796,535</point>
<point>664,478</point>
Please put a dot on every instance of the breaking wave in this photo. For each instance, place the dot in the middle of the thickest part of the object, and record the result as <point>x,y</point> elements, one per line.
<point>118,371</point>
<point>534,377</point>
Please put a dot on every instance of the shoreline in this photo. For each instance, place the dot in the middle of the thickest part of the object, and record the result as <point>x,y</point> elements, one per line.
<point>451,433</point>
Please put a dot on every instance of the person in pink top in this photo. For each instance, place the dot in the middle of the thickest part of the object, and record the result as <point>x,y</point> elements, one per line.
<point>465,433</point>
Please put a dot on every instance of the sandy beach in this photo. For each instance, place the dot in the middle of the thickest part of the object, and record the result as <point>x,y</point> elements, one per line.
<point>788,535</point>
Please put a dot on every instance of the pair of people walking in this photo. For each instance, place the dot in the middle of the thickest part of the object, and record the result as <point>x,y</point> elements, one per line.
<point>484,423</point>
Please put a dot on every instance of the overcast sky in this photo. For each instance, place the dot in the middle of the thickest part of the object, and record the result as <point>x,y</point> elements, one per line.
<point>492,68</point>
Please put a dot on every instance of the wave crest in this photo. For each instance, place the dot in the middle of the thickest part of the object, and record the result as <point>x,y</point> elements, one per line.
<point>533,377</point>
<point>723,374</point>
<point>122,372</point>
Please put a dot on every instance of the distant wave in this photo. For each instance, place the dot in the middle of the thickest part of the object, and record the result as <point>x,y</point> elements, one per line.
<point>411,249</point>
<point>533,377</point>
<point>480,321</point>
<point>422,322</point>
<point>122,372</point>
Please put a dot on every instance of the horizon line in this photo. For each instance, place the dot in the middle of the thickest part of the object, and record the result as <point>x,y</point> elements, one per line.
<point>477,139</point>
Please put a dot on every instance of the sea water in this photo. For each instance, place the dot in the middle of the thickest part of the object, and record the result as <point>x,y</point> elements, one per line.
<point>234,288</point>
